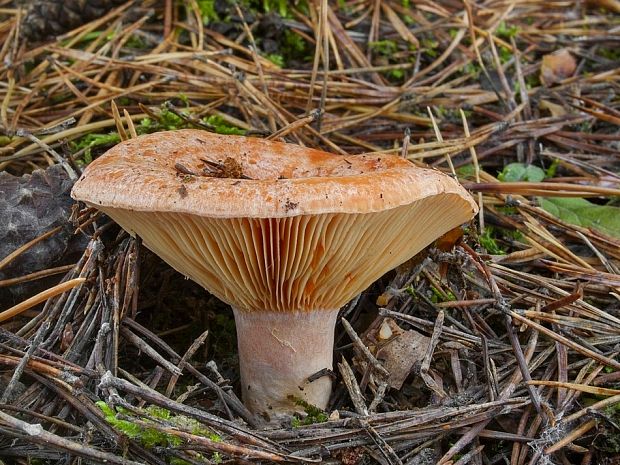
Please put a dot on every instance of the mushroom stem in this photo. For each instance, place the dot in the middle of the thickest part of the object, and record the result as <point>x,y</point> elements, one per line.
<point>278,351</point>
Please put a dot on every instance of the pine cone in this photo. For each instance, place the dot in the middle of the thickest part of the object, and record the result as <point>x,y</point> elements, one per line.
<point>31,205</point>
<point>45,18</point>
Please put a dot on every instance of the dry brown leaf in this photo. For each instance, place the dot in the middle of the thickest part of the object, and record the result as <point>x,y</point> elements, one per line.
<point>397,349</point>
<point>557,66</point>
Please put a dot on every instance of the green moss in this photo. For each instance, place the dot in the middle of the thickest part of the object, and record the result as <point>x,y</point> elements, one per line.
<point>220,126</point>
<point>505,31</point>
<point>152,437</point>
<point>488,240</point>
<point>136,42</point>
<point>384,47</point>
<point>148,437</point>
<point>158,412</point>
<point>183,98</point>
<point>472,68</point>
<point>532,81</point>
<point>276,59</point>
<point>411,291</point>
<point>313,414</point>
<point>169,120</point>
<point>278,6</point>
<point>178,461</point>
<point>612,54</point>
<point>294,46</point>
<point>440,295</point>
<point>207,11</point>
<point>607,440</point>
<point>430,46</point>
<point>93,140</point>
<point>505,54</point>
<point>396,74</point>
<point>514,234</point>
<point>92,35</point>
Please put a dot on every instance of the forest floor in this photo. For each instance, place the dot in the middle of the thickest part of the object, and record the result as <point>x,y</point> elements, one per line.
<point>109,355</point>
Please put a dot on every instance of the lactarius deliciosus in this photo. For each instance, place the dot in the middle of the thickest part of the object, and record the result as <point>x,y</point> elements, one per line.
<point>284,234</point>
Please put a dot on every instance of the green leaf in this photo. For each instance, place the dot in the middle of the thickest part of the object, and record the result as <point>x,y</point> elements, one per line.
<point>515,172</point>
<point>581,212</point>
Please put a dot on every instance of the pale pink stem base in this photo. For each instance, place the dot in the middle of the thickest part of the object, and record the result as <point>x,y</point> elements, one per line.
<point>278,351</point>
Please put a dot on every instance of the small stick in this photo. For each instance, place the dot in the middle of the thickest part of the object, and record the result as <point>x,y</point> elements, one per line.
<point>563,340</point>
<point>24,361</point>
<point>570,437</point>
<point>525,372</point>
<point>36,275</point>
<point>597,406</point>
<point>464,303</point>
<point>469,455</point>
<point>154,397</point>
<point>474,158</point>
<point>599,391</point>
<point>168,12</point>
<point>130,125</point>
<point>230,398</point>
<point>40,297</point>
<point>405,148</point>
<point>426,362</point>
<point>379,395</point>
<point>385,449</point>
<point>440,139</point>
<point>488,370</point>
<point>297,124</point>
<point>36,434</point>
<point>148,350</point>
<point>119,122</point>
<point>46,418</point>
<point>354,390</point>
<point>419,322</point>
<point>545,189</point>
<point>185,360</point>
<point>212,366</point>
<point>360,345</point>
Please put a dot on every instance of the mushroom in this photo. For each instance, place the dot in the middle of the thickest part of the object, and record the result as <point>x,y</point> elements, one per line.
<point>284,234</point>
